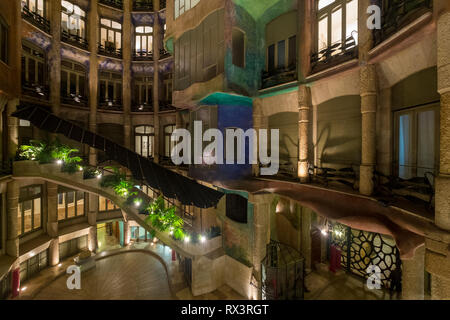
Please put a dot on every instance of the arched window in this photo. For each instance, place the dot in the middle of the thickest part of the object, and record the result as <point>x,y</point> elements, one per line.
<point>181,6</point>
<point>144,140</point>
<point>110,37</point>
<point>168,143</point>
<point>144,42</point>
<point>34,71</point>
<point>73,23</point>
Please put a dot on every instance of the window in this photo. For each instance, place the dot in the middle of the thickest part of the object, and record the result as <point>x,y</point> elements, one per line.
<point>110,37</point>
<point>110,90</point>
<point>35,11</point>
<point>73,83</point>
<point>238,48</point>
<point>29,211</point>
<point>181,6</point>
<point>72,247</point>
<point>105,205</point>
<point>73,22</point>
<point>143,94</point>
<point>3,41</point>
<point>337,28</point>
<point>144,42</point>
<point>70,203</point>
<point>236,208</point>
<point>417,135</point>
<point>167,88</point>
<point>144,140</point>
<point>34,73</point>
<point>168,143</point>
<point>33,265</point>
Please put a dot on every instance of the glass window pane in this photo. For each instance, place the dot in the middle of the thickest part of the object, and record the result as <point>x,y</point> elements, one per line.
<point>70,204</point>
<point>105,22</point>
<point>352,20</point>
<point>73,83</point>
<point>80,203</point>
<point>140,129</point>
<point>138,43</point>
<point>323,34</point>
<point>281,54</point>
<point>116,25</point>
<point>61,206</point>
<point>336,27</point>
<point>37,213</point>
<point>27,212</point>
<point>405,146</point>
<point>19,219</point>
<point>144,43</point>
<point>138,145</point>
<point>103,36</point>
<point>64,22</point>
<point>118,40</point>
<point>109,205</point>
<point>102,204</point>
<point>140,30</point>
<point>111,37</point>
<point>324,3</point>
<point>144,146</point>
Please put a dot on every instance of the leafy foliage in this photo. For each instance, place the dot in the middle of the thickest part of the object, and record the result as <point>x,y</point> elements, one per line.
<point>119,182</point>
<point>165,219</point>
<point>48,152</point>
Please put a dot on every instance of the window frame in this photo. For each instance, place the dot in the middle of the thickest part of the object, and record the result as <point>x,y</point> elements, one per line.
<point>30,198</point>
<point>178,4</point>
<point>44,7</point>
<point>79,18</point>
<point>167,136</point>
<point>414,111</point>
<point>150,136</point>
<point>104,102</point>
<point>78,74</point>
<point>148,36</point>
<point>115,207</point>
<point>110,50</point>
<point>64,193</point>
<point>39,57</point>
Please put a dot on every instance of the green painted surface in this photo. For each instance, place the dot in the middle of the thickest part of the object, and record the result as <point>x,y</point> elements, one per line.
<point>169,45</point>
<point>220,98</point>
<point>256,7</point>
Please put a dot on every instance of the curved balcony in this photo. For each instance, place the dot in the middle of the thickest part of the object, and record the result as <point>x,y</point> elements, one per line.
<point>109,50</point>
<point>74,100</point>
<point>142,55</point>
<point>35,90</point>
<point>335,54</point>
<point>110,105</point>
<point>35,19</point>
<point>74,40</point>
<point>143,5</point>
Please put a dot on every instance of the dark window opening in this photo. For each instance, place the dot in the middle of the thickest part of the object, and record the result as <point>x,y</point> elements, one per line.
<point>238,44</point>
<point>236,208</point>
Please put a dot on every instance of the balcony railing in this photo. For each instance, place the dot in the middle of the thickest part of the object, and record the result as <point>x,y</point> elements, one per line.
<point>163,53</point>
<point>143,5</point>
<point>35,90</point>
<point>74,39</point>
<point>113,105</point>
<point>166,106</point>
<point>36,19</point>
<point>74,99</point>
<point>334,55</point>
<point>109,50</point>
<point>142,55</point>
<point>279,76</point>
<point>397,14</point>
<point>113,3</point>
<point>142,107</point>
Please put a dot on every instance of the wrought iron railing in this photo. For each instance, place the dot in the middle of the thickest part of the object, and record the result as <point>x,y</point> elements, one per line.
<point>334,55</point>
<point>74,39</point>
<point>163,53</point>
<point>35,90</point>
<point>142,107</point>
<point>113,3</point>
<point>74,99</point>
<point>109,51</point>
<point>398,13</point>
<point>279,76</point>
<point>113,105</point>
<point>36,19</point>
<point>142,55</point>
<point>143,5</point>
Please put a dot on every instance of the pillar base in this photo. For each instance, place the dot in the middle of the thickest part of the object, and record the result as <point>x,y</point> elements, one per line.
<point>442,202</point>
<point>366,179</point>
<point>53,252</point>
<point>12,247</point>
<point>303,171</point>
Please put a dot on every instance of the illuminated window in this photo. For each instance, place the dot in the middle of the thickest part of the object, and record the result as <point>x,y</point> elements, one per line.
<point>70,203</point>
<point>181,6</point>
<point>105,205</point>
<point>29,211</point>
<point>110,90</point>
<point>144,41</point>
<point>73,19</point>
<point>337,25</point>
<point>38,7</point>
<point>142,92</point>
<point>144,140</point>
<point>33,67</point>
<point>73,82</point>
<point>110,37</point>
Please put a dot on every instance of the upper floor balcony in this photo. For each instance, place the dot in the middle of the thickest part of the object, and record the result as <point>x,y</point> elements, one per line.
<point>36,19</point>
<point>35,90</point>
<point>74,40</point>
<point>398,14</point>
<point>118,4</point>
<point>143,5</point>
<point>110,104</point>
<point>334,54</point>
<point>163,53</point>
<point>142,55</point>
<point>279,76</point>
<point>109,49</point>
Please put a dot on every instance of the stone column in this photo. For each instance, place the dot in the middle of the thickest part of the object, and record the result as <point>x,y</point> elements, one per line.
<point>12,202</point>
<point>368,111</point>
<point>92,220</point>
<point>156,79</point>
<point>261,237</point>
<point>13,129</point>
<point>258,119</point>
<point>52,222</point>
<point>93,21</point>
<point>442,213</point>
<point>413,284</point>
<point>54,56</point>
<point>304,102</point>
<point>127,78</point>
<point>126,233</point>
<point>437,263</point>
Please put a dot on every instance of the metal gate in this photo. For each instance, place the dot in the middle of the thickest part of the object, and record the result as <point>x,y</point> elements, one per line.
<point>360,249</point>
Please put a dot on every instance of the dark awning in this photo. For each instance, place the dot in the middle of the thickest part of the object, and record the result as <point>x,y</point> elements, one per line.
<point>171,184</point>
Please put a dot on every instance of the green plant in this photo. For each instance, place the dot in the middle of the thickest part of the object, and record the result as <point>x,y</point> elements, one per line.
<point>63,152</point>
<point>119,182</point>
<point>48,152</point>
<point>165,219</point>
